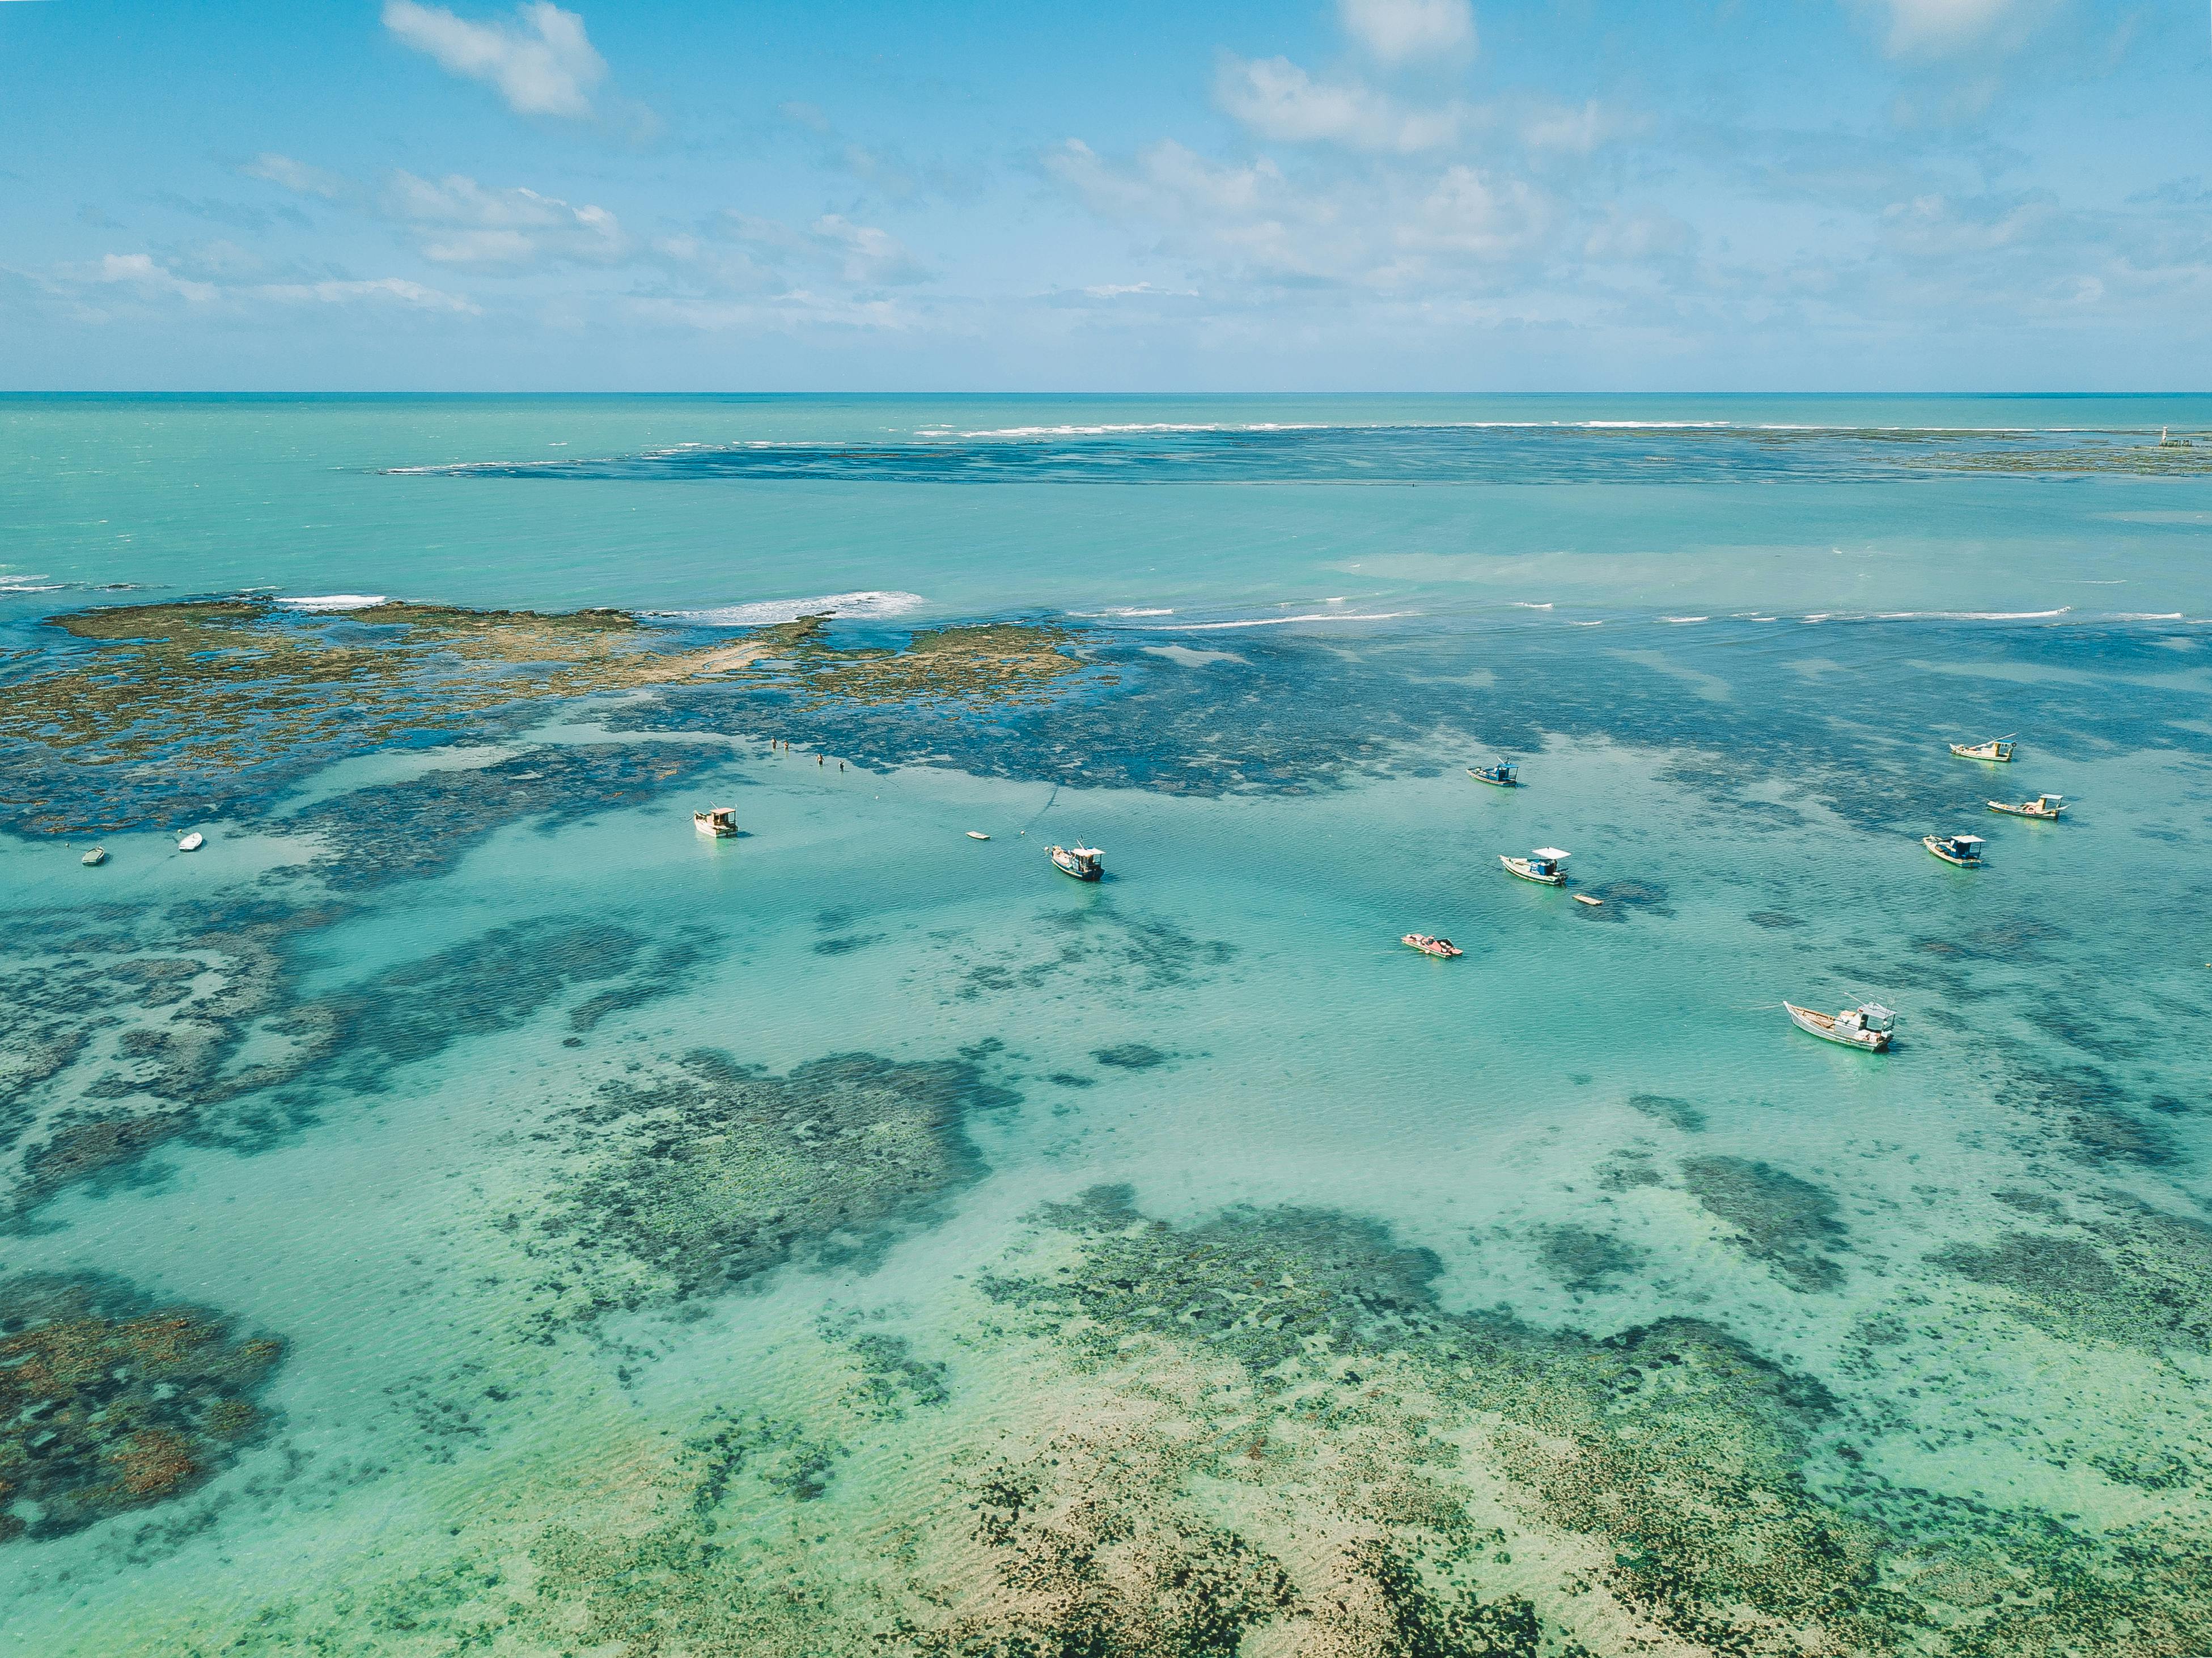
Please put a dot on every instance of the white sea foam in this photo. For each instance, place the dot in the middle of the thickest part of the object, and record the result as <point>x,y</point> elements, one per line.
<point>29,584</point>
<point>1969,615</point>
<point>848,606</point>
<point>1125,609</point>
<point>1680,619</point>
<point>332,602</point>
<point>1523,604</point>
<point>1145,426</point>
<point>1285,621</point>
<point>2145,616</point>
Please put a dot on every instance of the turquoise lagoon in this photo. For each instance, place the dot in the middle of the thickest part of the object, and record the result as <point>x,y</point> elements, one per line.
<point>857,1238</point>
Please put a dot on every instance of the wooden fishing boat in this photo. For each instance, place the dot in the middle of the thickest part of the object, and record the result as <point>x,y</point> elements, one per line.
<point>94,859</point>
<point>977,834</point>
<point>1869,1025</point>
<point>1442,948</point>
<point>1084,862</point>
<point>2045,806</point>
<point>1545,866</point>
<point>1505,775</point>
<point>1964,850</point>
<point>191,842</point>
<point>1997,748</point>
<point>721,822</point>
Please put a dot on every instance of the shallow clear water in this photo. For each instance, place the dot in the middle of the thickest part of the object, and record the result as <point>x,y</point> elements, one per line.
<point>509,1412</point>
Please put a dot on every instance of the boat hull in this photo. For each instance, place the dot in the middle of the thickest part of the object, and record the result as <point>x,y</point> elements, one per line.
<point>1935,849</point>
<point>1983,751</point>
<point>1823,1025</point>
<point>1512,868</point>
<point>2022,812</point>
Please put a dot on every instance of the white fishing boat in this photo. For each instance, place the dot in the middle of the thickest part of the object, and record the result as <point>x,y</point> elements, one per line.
<point>1964,850</point>
<point>94,859</point>
<point>191,842</point>
<point>2047,806</point>
<point>1084,862</point>
<point>1997,748</point>
<point>1869,1025</point>
<point>721,822</point>
<point>977,834</point>
<point>1440,947</point>
<point>1505,775</point>
<point>1546,866</point>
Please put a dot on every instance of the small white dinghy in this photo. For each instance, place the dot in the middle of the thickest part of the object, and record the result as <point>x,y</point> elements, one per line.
<point>1868,1025</point>
<point>191,842</point>
<point>1546,866</point>
<point>2045,806</point>
<point>94,859</point>
<point>1964,850</point>
<point>1443,949</point>
<point>977,834</point>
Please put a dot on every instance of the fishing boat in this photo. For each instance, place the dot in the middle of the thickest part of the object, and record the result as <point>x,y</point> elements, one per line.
<point>94,859</point>
<point>1084,862</point>
<point>1964,850</point>
<point>1505,775</point>
<point>1997,748</point>
<point>191,842</point>
<point>1869,1025</point>
<point>2044,805</point>
<point>1442,948</point>
<point>977,834</point>
<point>721,822</point>
<point>1542,866</point>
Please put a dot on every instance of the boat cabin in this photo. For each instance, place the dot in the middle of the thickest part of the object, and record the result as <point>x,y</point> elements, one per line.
<point>721,822</point>
<point>1545,860</point>
<point>1870,1017</point>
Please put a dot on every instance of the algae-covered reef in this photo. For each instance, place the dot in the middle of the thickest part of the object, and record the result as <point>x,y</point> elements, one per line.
<point>706,1173</point>
<point>997,662</point>
<point>109,1402</point>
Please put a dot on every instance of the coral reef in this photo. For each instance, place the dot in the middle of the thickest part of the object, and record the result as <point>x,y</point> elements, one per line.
<point>109,1402</point>
<point>1778,1218</point>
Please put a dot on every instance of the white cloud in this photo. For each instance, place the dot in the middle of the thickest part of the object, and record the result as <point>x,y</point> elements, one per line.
<point>155,280</point>
<point>1398,30</point>
<point>1575,132</point>
<point>1278,99</point>
<point>866,257</point>
<point>1940,28</point>
<point>297,176</point>
<point>542,64</point>
<point>457,221</point>
<point>1474,213</point>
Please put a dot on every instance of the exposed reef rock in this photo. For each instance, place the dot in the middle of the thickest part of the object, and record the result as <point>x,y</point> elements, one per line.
<point>109,1402</point>
<point>983,662</point>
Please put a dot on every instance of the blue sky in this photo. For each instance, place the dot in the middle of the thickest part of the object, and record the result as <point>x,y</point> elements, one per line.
<point>1323,195</point>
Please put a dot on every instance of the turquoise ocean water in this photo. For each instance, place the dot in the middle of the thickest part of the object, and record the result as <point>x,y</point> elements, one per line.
<point>1728,640</point>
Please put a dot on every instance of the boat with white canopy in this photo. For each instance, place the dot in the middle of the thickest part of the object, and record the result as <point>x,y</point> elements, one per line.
<point>1084,862</point>
<point>721,822</point>
<point>1547,867</point>
<point>1997,748</point>
<point>1869,1025</point>
<point>1964,850</point>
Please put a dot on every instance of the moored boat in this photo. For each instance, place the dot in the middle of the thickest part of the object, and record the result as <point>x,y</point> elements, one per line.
<point>1084,862</point>
<point>1443,948</point>
<point>1964,850</point>
<point>1546,866</point>
<point>1869,1025</point>
<point>1997,748</point>
<point>977,834</point>
<point>721,822</point>
<point>1585,898</point>
<point>97,857</point>
<point>2047,806</point>
<point>191,842</point>
<point>1505,775</point>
